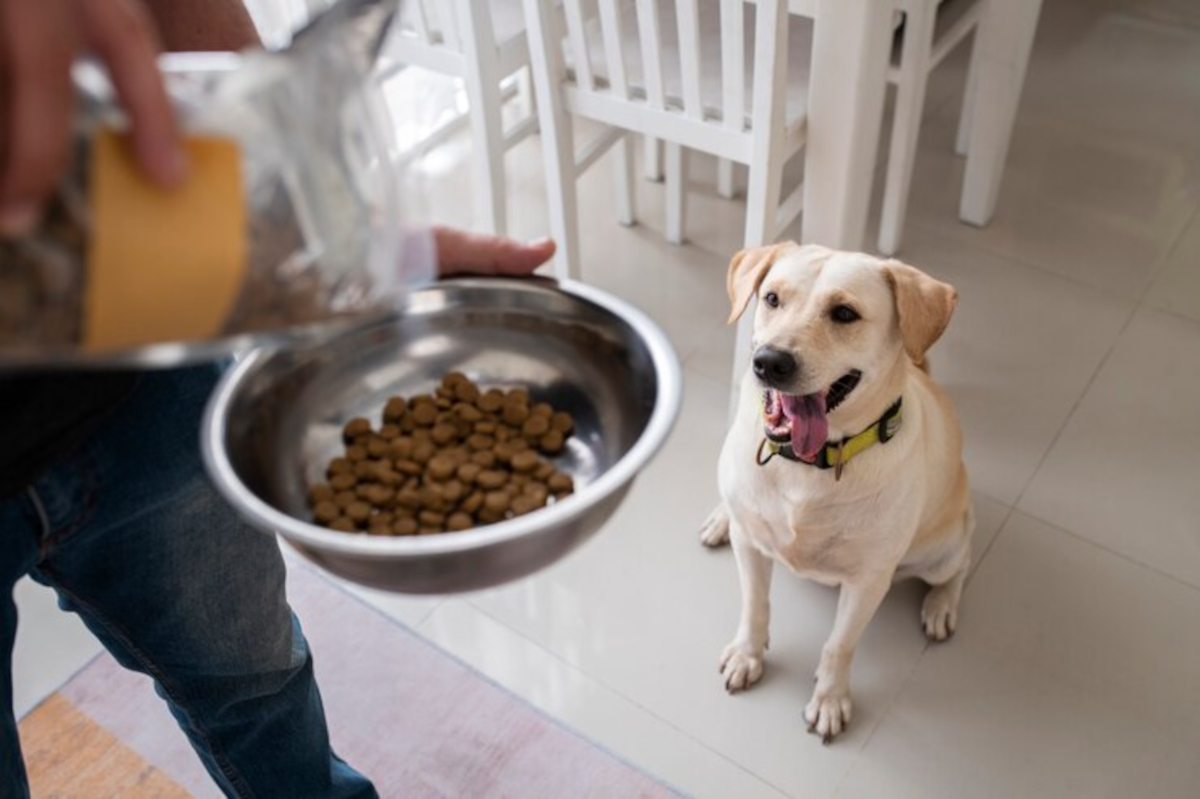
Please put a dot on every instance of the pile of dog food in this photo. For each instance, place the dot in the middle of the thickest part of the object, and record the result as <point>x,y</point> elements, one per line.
<point>459,458</point>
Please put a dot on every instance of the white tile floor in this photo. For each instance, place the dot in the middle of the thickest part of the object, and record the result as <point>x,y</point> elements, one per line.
<point>1075,361</point>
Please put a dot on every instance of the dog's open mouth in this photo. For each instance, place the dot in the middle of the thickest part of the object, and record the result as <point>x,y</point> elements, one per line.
<point>803,419</point>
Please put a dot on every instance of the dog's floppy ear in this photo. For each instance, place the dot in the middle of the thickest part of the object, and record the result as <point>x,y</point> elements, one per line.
<point>923,307</point>
<point>746,273</point>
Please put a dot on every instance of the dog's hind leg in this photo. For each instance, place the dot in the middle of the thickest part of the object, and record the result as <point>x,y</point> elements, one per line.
<point>715,531</point>
<point>939,611</point>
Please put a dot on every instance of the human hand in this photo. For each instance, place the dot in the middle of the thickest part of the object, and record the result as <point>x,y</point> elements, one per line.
<point>39,40</point>
<point>463,253</point>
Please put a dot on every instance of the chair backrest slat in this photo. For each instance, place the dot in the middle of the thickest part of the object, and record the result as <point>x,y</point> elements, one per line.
<point>577,41</point>
<point>614,52</point>
<point>650,39</point>
<point>687,18</point>
<point>733,64</point>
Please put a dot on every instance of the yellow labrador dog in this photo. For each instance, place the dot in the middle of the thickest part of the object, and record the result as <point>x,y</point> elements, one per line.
<point>844,461</point>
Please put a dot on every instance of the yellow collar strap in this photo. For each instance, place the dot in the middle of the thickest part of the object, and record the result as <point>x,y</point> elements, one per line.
<point>836,455</point>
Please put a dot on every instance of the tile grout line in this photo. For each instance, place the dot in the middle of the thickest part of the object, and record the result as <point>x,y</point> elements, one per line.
<point>621,694</point>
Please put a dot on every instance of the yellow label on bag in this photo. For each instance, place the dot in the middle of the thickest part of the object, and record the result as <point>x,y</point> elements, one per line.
<point>163,264</point>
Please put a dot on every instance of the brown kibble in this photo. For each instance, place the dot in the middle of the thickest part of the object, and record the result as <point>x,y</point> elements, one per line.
<point>430,531</point>
<point>384,517</point>
<point>364,470</point>
<point>377,447</point>
<point>425,414</point>
<point>491,402</point>
<point>389,432</point>
<point>443,433</point>
<point>535,427</point>
<point>339,465</point>
<point>515,413</point>
<point>409,498</point>
<point>563,423</point>
<point>485,428</point>
<point>441,467</point>
<point>480,442</point>
<point>358,511</point>
<point>363,490</point>
<point>380,496</point>
<point>560,482</point>
<point>466,391</point>
<point>401,448</point>
<point>343,481</point>
<point>459,521</point>
<point>444,403</point>
<point>423,452</point>
<point>525,461</point>
<point>504,433</point>
<point>343,525</point>
<point>431,497</point>
<point>356,427</point>
<point>388,476</point>
<point>496,501</point>
<point>421,436</point>
<point>326,511</point>
<point>539,492</point>
<point>518,395</point>
<point>468,413</point>
<point>429,518</point>
<point>490,517</point>
<point>473,503</point>
<point>343,499</point>
<point>491,479</point>
<point>453,491</point>
<point>543,471</point>
<point>407,423</point>
<point>485,458</point>
<point>321,492</point>
<point>395,408</point>
<point>410,468</point>
<point>552,443</point>
<point>542,409</point>
<point>452,379</point>
<point>379,528</point>
<point>524,504</point>
<point>406,526</point>
<point>355,453</point>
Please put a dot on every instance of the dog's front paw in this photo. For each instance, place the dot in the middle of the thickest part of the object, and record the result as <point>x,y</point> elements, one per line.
<point>828,712</point>
<point>715,531</point>
<point>741,666</point>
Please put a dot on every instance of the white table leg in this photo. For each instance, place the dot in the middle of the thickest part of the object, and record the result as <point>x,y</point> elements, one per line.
<point>1002,44</point>
<point>851,49</point>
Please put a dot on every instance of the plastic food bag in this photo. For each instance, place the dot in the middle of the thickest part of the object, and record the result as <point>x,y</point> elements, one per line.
<point>317,233</point>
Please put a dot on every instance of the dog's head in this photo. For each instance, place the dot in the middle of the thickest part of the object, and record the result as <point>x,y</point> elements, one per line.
<point>829,328</point>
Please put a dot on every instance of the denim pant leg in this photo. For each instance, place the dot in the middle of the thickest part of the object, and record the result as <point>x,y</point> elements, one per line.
<point>18,553</point>
<point>177,587</point>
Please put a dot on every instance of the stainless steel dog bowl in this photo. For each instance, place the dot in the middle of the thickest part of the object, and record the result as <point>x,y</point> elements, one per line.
<point>275,420</point>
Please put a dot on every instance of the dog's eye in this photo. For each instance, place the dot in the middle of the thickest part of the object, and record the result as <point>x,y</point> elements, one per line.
<point>844,314</point>
<point>771,299</point>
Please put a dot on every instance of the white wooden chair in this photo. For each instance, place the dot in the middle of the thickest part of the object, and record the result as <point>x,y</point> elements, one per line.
<point>932,29</point>
<point>482,43</point>
<point>716,85</point>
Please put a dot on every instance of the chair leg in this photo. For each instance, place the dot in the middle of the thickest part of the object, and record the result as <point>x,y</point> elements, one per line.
<point>558,145</point>
<point>624,167</point>
<point>963,138</point>
<point>726,178</point>
<point>652,158</point>
<point>915,58</point>
<point>487,125</point>
<point>676,191</point>
<point>1004,38</point>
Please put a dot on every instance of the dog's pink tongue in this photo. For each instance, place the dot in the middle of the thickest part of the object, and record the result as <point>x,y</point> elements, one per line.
<point>810,426</point>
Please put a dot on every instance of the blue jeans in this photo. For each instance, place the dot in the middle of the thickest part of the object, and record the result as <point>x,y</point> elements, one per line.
<point>134,540</point>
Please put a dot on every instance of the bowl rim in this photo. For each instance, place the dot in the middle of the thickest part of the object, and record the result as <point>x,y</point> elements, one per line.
<point>667,403</point>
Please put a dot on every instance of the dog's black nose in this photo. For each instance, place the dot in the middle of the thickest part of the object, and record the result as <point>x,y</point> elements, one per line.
<point>774,367</point>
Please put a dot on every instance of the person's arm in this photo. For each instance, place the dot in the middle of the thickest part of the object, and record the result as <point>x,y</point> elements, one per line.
<point>203,25</point>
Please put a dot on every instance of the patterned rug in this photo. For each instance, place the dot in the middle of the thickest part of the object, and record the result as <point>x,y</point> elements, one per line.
<point>414,719</point>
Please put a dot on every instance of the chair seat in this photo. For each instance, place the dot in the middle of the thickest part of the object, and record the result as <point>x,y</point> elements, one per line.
<point>800,30</point>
